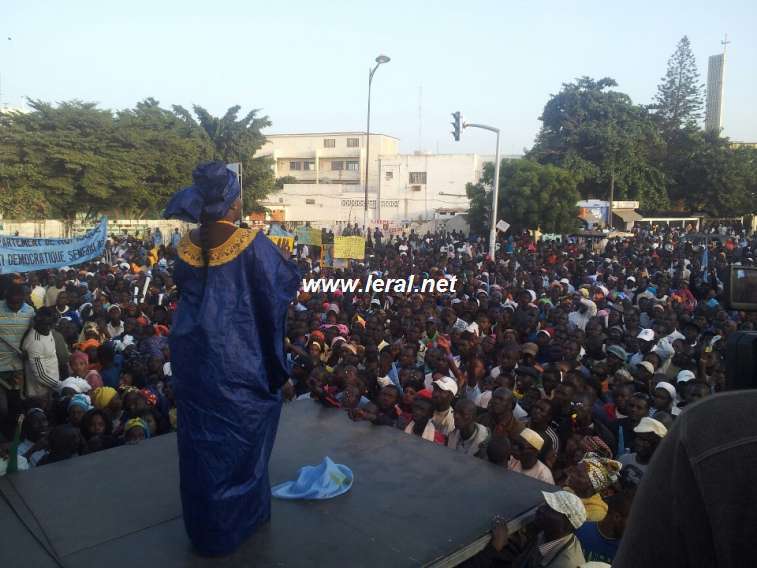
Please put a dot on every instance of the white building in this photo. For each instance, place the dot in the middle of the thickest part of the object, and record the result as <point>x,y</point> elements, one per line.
<point>713,118</point>
<point>330,169</point>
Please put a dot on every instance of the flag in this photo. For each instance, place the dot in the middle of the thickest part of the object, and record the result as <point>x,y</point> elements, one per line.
<point>13,451</point>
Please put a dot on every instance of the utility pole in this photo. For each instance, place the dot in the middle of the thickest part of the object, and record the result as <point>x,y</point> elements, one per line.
<point>458,125</point>
<point>612,198</point>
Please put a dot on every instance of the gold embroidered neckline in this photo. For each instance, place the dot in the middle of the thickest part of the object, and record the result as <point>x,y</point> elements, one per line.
<point>223,253</point>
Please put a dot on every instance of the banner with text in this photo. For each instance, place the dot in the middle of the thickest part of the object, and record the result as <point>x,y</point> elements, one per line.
<point>308,236</point>
<point>25,254</point>
<point>349,247</point>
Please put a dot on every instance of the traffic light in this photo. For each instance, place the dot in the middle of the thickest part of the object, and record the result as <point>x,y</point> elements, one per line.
<point>457,125</point>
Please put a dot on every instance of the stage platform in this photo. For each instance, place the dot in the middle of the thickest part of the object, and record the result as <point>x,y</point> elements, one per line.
<point>413,503</point>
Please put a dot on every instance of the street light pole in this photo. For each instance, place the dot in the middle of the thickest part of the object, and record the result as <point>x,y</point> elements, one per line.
<point>381,59</point>
<point>495,191</point>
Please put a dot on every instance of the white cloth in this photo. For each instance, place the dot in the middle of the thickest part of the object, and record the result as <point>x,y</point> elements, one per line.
<point>519,412</point>
<point>539,471</point>
<point>429,432</point>
<point>444,421</point>
<point>115,331</point>
<point>77,384</point>
<point>471,445</point>
<point>23,465</point>
<point>42,373</point>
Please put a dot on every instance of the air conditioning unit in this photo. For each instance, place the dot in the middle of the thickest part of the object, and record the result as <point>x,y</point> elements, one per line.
<point>415,188</point>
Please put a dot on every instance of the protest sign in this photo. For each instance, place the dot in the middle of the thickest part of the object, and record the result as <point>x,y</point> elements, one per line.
<point>23,254</point>
<point>327,255</point>
<point>287,242</point>
<point>349,247</point>
<point>308,236</point>
<point>502,225</point>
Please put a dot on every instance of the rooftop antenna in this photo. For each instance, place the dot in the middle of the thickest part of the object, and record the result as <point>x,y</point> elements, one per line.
<point>725,43</point>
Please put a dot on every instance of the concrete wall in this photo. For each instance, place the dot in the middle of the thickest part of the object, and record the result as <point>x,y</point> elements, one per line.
<point>54,229</point>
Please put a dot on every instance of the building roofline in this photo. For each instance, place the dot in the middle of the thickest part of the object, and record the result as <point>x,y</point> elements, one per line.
<point>345,133</point>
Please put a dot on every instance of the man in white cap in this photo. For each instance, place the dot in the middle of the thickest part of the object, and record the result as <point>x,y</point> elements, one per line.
<point>664,399</point>
<point>649,433</point>
<point>555,543</point>
<point>525,456</point>
<point>646,341</point>
<point>685,379</point>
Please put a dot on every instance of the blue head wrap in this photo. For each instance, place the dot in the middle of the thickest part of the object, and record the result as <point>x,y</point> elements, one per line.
<point>81,400</point>
<point>210,197</point>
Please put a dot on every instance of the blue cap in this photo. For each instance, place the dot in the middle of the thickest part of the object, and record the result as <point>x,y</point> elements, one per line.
<point>323,481</point>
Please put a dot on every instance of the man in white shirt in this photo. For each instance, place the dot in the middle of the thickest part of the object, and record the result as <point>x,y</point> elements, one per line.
<point>115,326</point>
<point>586,310</point>
<point>42,375</point>
<point>468,435</point>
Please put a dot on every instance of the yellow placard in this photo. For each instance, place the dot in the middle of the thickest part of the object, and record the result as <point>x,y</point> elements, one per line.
<point>286,242</point>
<point>349,247</point>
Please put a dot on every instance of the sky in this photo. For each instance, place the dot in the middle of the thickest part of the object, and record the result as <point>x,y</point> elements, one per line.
<point>305,64</point>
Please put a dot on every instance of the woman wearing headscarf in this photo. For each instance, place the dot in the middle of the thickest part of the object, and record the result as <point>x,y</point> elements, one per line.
<point>228,361</point>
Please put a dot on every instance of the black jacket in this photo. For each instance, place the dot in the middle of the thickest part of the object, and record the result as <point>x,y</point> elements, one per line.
<point>697,503</point>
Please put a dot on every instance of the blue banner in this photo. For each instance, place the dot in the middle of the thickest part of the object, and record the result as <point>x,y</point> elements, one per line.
<point>279,231</point>
<point>23,254</point>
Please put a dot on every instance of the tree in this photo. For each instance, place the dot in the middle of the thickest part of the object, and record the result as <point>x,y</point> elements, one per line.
<point>710,176</point>
<point>604,138</point>
<point>531,195</point>
<point>164,148</point>
<point>679,99</point>
<point>69,155</point>
<point>75,160</point>
<point>237,140</point>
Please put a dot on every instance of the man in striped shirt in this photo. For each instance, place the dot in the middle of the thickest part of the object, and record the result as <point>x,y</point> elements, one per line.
<point>15,318</point>
<point>42,375</point>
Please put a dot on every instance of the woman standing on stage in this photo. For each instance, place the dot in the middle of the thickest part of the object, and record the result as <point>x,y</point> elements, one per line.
<point>227,356</point>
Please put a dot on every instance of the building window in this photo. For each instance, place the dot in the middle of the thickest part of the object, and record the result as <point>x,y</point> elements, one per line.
<point>329,142</point>
<point>281,200</point>
<point>308,165</point>
<point>337,165</point>
<point>415,188</point>
<point>310,202</point>
<point>418,177</point>
<point>295,165</point>
<point>353,142</point>
<point>388,175</point>
<point>352,166</point>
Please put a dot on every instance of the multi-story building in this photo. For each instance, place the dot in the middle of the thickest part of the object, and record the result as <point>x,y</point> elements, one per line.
<point>713,120</point>
<point>330,170</point>
<point>331,158</point>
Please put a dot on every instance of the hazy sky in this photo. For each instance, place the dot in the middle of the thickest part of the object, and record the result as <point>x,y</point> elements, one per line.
<point>306,63</point>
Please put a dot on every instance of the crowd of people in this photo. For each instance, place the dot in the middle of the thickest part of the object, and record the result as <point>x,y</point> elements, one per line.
<point>564,360</point>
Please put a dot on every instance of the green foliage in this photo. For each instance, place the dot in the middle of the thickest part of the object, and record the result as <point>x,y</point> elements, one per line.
<point>680,94</point>
<point>598,133</point>
<point>75,159</point>
<point>236,140</point>
<point>708,175</point>
<point>282,181</point>
<point>531,195</point>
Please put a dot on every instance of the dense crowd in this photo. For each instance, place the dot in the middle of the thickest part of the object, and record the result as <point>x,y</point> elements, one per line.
<point>565,360</point>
